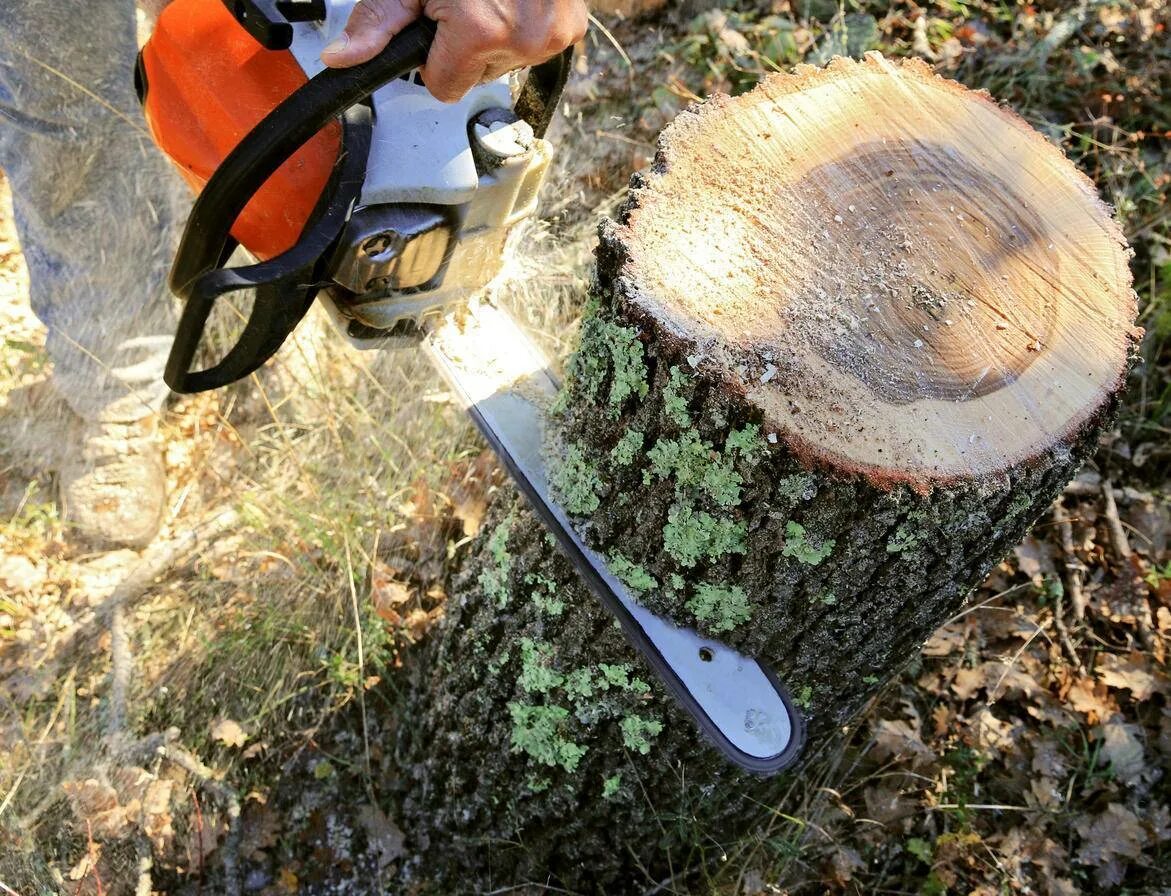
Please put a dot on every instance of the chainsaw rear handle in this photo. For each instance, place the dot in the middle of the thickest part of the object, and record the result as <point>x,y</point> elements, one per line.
<point>285,285</point>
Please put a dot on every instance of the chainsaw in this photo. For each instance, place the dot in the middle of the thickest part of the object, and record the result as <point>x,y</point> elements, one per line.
<point>356,188</point>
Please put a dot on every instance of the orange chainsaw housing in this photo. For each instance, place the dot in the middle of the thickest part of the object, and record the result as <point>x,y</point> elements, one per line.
<point>207,83</point>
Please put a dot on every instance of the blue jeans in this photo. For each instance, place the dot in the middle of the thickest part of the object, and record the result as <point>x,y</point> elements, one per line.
<point>98,208</point>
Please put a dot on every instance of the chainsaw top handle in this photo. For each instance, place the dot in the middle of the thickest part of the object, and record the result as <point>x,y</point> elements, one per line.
<point>286,285</point>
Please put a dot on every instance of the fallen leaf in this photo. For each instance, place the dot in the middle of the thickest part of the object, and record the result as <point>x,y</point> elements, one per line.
<point>844,863</point>
<point>886,803</point>
<point>287,881</point>
<point>1048,759</point>
<point>96,803</point>
<point>946,640</point>
<point>156,814</point>
<point>1034,560</point>
<point>1092,700</point>
<point>896,738</point>
<point>967,681</point>
<point>229,733</point>
<point>991,732</point>
<point>1130,673</point>
<point>1115,833</point>
<point>1123,750</point>
<point>383,835</point>
<point>1047,794</point>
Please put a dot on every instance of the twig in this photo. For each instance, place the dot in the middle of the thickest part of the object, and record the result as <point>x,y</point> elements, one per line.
<point>230,850</point>
<point>361,666</point>
<point>1064,28</point>
<point>1063,632</point>
<point>1117,533</point>
<point>610,37</point>
<point>1074,568</point>
<point>1123,495</point>
<point>156,560</point>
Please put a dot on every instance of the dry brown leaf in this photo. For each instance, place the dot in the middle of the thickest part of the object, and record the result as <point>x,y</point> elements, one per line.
<point>990,732</point>
<point>1091,699</point>
<point>388,595</point>
<point>886,803</point>
<point>943,719</point>
<point>1122,748</point>
<point>96,803</point>
<point>469,491</point>
<point>946,640</point>
<point>229,733</point>
<point>968,681</point>
<point>1047,795</point>
<point>844,864</point>
<point>1115,833</point>
<point>1034,559</point>
<point>383,835</point>
<point>287,881</point>
<point>1048,759</point>
<point>260,828</point>
<point>896,738</point>
<point>156,814</point>
<point>1131,673</point>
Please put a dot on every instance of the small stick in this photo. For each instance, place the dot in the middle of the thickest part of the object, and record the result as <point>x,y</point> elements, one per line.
<point>1074,569</point>
<point>1117,533</point>
<point>1124,495</point>
<point>191,764</point>
<point>156,560</point>
<point>1063,632</point>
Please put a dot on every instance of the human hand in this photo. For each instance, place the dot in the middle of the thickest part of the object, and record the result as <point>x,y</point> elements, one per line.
<point>476,41</point>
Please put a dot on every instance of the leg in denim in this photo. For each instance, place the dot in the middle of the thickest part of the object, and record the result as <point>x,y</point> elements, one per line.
<point>98,209</point>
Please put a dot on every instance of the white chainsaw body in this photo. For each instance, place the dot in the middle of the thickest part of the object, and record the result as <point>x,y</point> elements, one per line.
<point>445,186</point>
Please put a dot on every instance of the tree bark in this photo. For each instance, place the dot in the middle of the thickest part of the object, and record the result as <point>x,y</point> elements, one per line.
<point>848,339</point>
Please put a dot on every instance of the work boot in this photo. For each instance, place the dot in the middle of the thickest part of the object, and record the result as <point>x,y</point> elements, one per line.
<point>110,475</point>
<point>112,483</point>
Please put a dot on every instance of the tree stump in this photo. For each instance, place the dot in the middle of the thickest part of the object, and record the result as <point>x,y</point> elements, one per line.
<point>849,337</point>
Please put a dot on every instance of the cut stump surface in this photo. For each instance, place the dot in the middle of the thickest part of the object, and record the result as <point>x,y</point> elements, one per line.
<point>911,282</point>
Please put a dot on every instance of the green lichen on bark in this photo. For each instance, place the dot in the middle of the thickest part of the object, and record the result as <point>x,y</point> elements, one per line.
<point>721,607</point>
<point>607,352</point>
<point>575,480</point>
<point>628,447</point>
<point>494,579</point>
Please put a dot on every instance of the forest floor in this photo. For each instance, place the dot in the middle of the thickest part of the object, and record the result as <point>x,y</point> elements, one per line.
<point>216,708</point>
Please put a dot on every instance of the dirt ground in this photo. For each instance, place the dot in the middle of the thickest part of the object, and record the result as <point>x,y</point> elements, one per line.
<point>215,708</point>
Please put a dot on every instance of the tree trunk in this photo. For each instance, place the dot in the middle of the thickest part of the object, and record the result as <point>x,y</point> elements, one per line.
<point>851,335</point>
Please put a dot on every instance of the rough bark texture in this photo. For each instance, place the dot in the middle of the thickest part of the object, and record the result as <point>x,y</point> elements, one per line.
<point>540,747</point>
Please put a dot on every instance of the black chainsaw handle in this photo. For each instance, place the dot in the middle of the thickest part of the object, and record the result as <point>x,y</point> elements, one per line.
<point>201,255</point>
<point>283,287</point>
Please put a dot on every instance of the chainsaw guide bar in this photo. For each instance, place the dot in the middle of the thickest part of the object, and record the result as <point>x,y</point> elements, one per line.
<point>506,386</point>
